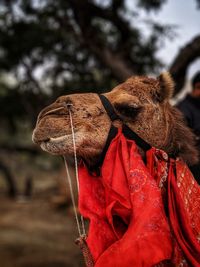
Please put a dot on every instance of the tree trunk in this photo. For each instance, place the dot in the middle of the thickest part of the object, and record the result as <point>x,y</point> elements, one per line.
<point>12,190</point>
<point>186,56</point>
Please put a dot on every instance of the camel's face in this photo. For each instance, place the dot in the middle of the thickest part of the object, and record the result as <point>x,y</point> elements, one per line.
<point>90,122</point>
<point>141,102</point>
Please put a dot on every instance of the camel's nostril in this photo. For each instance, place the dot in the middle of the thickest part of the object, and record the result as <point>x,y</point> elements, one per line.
<point>49,111</point>
<point>53,111</point>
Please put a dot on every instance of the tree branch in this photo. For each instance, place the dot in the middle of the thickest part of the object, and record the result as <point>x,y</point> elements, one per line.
<point>114,62</point>
<point>179,67</point>
<point>29,72</point>
<point>84,12</point>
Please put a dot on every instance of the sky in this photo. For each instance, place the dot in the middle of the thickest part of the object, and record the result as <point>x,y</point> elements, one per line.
<point>186,16</point>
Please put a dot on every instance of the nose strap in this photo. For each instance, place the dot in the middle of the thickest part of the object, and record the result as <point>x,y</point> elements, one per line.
<point>109,108</point>
<point>133,136</point>
<point>95,170</point>
<point>128,133</point>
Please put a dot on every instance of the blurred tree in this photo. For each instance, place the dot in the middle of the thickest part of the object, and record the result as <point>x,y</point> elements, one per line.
<point>55,47</point>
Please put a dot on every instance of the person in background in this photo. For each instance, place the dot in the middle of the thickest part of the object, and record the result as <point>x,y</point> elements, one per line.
<point>190,107</point>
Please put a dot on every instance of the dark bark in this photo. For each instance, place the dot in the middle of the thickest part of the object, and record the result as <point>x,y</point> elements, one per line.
<point>28,187</point>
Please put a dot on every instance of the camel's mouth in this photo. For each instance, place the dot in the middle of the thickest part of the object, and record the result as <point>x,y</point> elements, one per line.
<point>57,145</point>
<point>59,139</point>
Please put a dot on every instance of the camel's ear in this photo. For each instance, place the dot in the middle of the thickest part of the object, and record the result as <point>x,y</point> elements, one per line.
<point>166,87</point>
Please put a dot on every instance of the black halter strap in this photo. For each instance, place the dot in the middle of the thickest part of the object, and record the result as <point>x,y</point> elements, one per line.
<point>128,133</point>
<point>125,129</point>
<point>109,108</point>
<point>95,169</point>
<point>133,136</point>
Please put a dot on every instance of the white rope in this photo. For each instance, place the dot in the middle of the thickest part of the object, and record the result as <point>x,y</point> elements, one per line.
<point>72,196</point>
<point>79,225</point>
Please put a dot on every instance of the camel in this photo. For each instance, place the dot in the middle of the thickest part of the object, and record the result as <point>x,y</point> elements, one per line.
<point>142,105</point>
<point>141,102</point>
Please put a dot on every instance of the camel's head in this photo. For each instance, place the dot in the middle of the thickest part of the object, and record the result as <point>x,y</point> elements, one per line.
<point>141,102</point>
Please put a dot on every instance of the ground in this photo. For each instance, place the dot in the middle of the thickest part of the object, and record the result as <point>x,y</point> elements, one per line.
<point>33,233</point>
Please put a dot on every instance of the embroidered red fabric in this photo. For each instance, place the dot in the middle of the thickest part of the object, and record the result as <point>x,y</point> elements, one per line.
<point>127,207</point>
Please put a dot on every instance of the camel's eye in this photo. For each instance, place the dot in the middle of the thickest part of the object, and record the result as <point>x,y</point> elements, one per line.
<point>128,110</point>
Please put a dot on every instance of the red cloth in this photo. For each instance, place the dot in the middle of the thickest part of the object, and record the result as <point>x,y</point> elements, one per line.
<point>185,223</point>
<point>128,225</point>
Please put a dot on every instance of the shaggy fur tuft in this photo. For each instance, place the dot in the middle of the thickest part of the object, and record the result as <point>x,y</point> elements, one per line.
<point>181,140</point>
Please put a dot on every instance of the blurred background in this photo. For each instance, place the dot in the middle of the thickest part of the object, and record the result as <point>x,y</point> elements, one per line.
<point>49,48</point>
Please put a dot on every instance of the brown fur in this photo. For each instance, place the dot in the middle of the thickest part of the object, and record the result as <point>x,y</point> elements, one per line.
<point>142,102</point>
